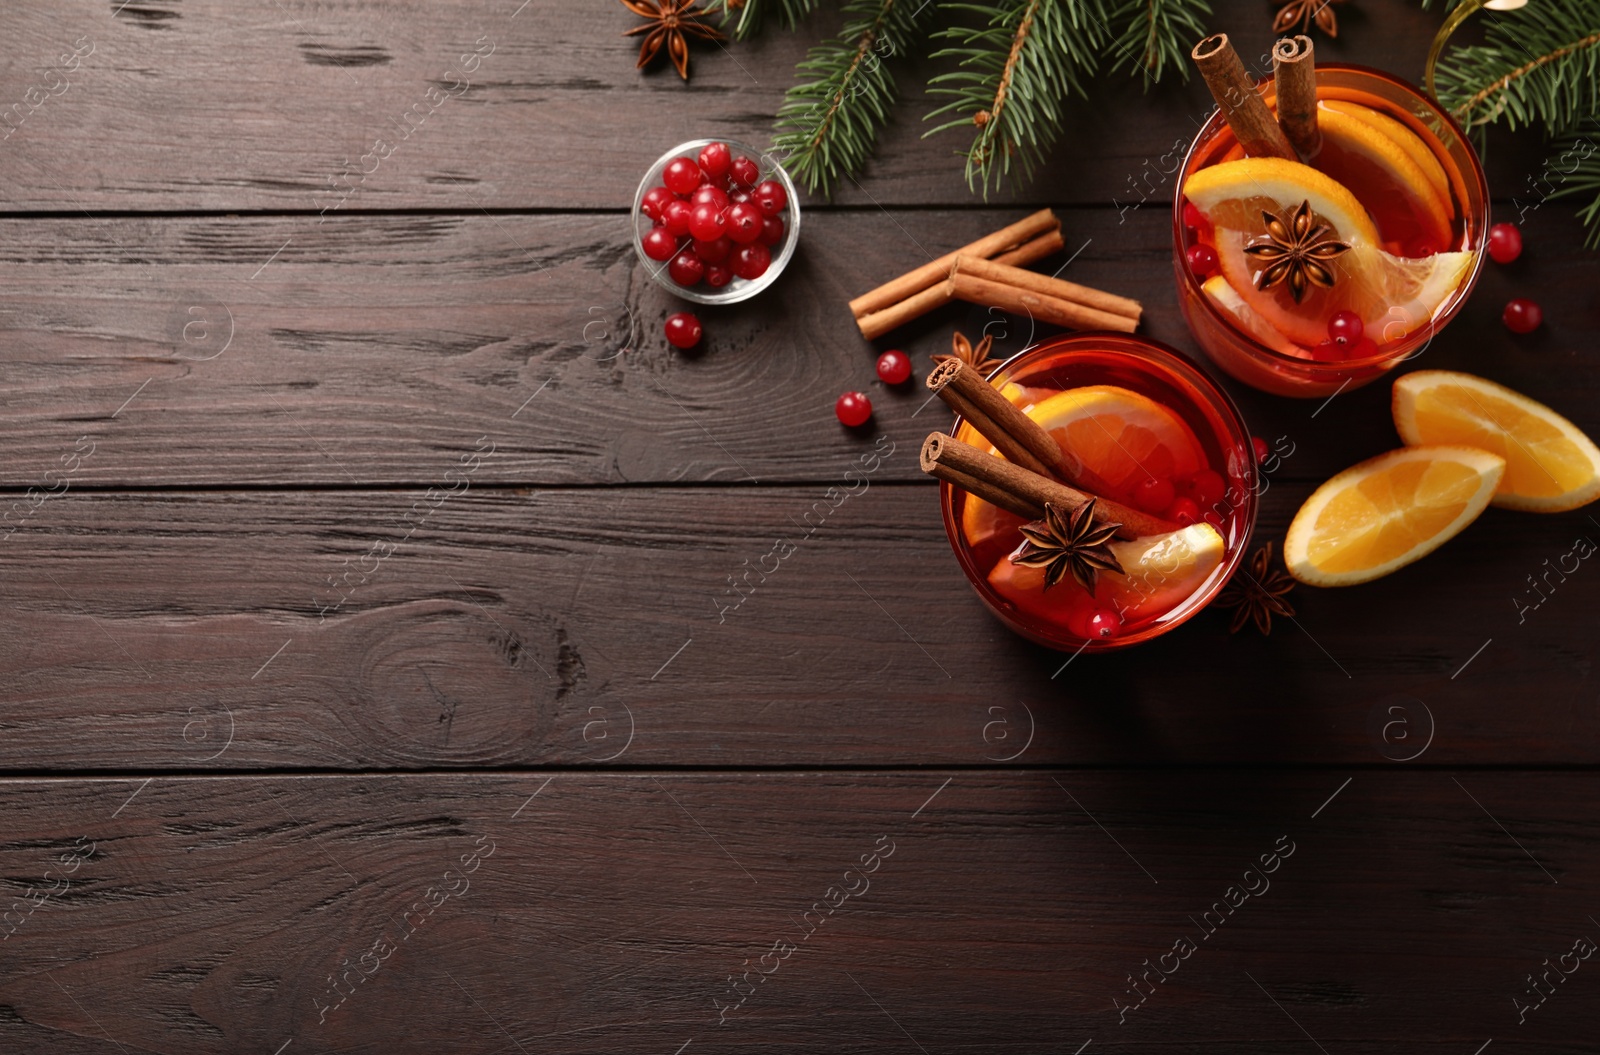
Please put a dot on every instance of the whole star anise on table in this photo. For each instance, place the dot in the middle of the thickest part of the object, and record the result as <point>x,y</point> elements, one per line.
<point>1257,593</point>
<point>1306,12</point>
<point>1297,249</point>
<point>671,23</point>
<point>1064,542</point>
<point>976,357</point>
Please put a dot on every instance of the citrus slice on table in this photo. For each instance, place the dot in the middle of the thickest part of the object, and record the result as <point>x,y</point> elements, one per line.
<point>1114,433</point>
<point>1551,466</point>
<point>1393,296</point>
<point>1381,515</point>
<point>1358,150</point>
<point>1159,571</point>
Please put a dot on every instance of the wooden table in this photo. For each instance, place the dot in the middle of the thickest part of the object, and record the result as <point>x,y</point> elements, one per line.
<point>369,680</point>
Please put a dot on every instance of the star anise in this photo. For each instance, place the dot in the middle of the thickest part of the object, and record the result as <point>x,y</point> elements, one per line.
<point>978,358</point>
<point>671,23</point>
<point>1257,594</point>
<point>1297,248</point>
<point>1064,542</point>
<point>1306,12</point>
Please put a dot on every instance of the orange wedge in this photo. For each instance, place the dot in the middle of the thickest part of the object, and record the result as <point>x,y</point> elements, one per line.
<point>1392,295</point>
<point>1551,466</point>
<point>1381,515</point>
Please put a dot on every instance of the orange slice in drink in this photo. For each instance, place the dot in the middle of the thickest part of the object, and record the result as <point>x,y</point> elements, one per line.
<point>1359,150</point>
<point>1228,301</point>
<point>1115,433</point>
<point>1551,466</point>
<point>1381,515</point>
<point>1393,296</point>
<point>1408,141</point>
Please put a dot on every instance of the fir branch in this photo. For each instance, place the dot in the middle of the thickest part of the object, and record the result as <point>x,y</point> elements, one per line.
<point>1016,73</point>
<point>1537,66</point>
<point>1154,35</point>
<point>749,17</point>
<point>828,126</point>
<point>1582,178</point>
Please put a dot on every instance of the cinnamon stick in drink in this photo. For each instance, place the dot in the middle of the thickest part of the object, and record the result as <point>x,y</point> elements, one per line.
<point>1294,75</point>
<point>1014,434</point>
<point>1246,112</point>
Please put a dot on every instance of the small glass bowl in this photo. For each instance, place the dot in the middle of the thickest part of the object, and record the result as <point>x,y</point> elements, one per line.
<point>740,288</point>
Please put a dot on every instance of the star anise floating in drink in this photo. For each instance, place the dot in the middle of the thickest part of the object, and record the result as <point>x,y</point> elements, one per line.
<point>1306,12</point>
<point>1297,249</point>
<point>976,357</point>
<point>671,24</point>
<point>1069,542</point>
<point>1257,594</point>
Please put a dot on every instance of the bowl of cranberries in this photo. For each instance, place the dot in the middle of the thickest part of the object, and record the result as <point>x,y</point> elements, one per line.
<point>714,221</point>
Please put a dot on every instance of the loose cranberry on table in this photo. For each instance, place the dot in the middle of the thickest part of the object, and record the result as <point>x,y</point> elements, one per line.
<point>744,172</point>
<point>770,197</point>
<point>894,368</point>
<point>744,222</point>
<point>751,261</point>
<point>683,330</point>
<point>659,244</point>
<point>852,409</point>
<point>1522,316</point>
<point>706,222</point>
<point>1202,260</point>
<point>682,176</point>
<point>686,269</point>
<point>1505,243</point>
<point>675,217</point>
<point>715,159</point>
<point>655,202</point>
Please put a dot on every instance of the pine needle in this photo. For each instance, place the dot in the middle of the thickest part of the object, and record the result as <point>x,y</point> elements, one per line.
<point>1537,66</point>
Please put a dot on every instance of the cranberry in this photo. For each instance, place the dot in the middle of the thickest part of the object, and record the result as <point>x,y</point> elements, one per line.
<point>1345,329</point>
<point>655,200</point>
<point>715,195</point>
<point>1522,316</point>
<point>1505,242</point>
<point>738,197</point>
<point>682,176</point>
<point>751,261</point>
<point>1183,511</point>
<point>717,276</point>
<point>772,231</point>
<point>1193,218</point>
<point>770,197</point>
<point>706,223</point>
<point>744,222</point>
<point>1364,348</point>
<point>659,245</point>
<point>1202,260</point>
<point>714,251</point>
<point>1206,487</point>
<point>1261,450</point>
<point>852,409</point>
<point>744,173</point>
<point>1154,494</point>
<point>683,330</point>
<point>894,368</point>
<point>676,216</point>
<point>1104,624</point>
<point>686,269</point>
<point>1213,518</point>
<point>715,159</point>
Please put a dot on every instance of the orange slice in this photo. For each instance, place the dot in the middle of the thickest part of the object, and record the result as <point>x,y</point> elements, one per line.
<point>1551,466</point>
<point>1228,301</point>
<point>1381,515</point>
<point>1392,295</point>
<point>1408,141</point>
<point>1358,151</point>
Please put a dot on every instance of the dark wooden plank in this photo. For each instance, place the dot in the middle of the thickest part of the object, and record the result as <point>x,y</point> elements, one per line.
<point>504,628</point>
<point>1002,912</point>
<point>376,350</point>
<point>217,106</point>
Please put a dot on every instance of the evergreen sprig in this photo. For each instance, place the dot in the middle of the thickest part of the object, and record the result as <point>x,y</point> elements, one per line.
<point>1017,70</point>
<point>749,17</point>
<point>1155,35</point>
<point>1538,65</point>
<point>829,124</point>
<point>1576,163</point>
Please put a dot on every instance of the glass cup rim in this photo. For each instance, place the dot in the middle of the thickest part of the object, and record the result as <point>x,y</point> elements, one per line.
<point>1167,357</point>
<point>750,287</point>
<point>1341,366</point>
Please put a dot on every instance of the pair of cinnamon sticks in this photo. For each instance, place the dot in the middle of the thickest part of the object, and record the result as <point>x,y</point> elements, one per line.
<point>1291,134</point>
<point>1035,470</point>
<point>989,272</point>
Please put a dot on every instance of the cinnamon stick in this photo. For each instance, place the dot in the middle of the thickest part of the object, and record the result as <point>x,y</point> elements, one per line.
<point>878,323</point>
<point>1294,74</point>
<point>933,272</point>
<point>1059,288</point>
<point>974,290</point>
<point>1246,112</point>
<point>1023,491</point>
<point>1014,434</point>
